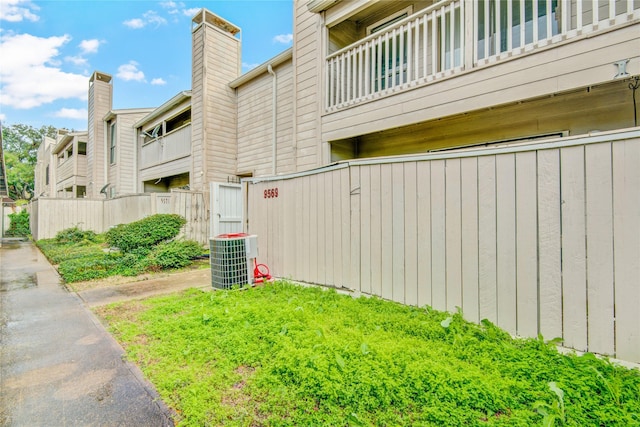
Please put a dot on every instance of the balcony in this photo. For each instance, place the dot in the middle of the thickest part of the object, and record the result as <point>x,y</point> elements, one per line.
<point>72,167</point>
<point>172,146</point>
<point>453,36</point>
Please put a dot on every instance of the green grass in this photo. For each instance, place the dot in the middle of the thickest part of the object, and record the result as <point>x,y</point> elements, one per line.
<point>284,355</point>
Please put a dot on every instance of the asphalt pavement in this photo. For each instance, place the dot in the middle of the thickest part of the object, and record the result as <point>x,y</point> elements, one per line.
<point>58,365</point>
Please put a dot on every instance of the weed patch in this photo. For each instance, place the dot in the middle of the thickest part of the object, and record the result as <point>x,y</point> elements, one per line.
<point>286,355</point>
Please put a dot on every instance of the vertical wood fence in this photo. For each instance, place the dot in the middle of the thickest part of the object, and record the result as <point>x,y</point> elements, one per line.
<point>49,216</point>
<point>541,238</point>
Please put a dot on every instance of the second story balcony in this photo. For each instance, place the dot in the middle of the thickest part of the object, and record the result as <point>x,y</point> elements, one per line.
<point>174,145</point>
<point>453,36</point>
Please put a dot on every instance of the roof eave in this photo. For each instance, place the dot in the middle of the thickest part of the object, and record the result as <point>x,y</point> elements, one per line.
<point>262,68</point>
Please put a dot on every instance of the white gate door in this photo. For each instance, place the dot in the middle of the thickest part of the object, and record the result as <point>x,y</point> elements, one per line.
<point>226,208</point>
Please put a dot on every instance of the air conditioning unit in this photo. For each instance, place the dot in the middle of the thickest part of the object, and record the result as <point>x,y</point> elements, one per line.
<point>232,257</point>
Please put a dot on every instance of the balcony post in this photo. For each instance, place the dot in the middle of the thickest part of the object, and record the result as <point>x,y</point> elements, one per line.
<point>468,12</point>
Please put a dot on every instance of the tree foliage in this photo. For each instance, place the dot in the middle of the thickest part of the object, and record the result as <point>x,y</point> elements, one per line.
<point>20,146</point>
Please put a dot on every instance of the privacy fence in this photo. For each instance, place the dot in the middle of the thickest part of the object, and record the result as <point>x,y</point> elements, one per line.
<point>539,239</point>
<point>49,216</point>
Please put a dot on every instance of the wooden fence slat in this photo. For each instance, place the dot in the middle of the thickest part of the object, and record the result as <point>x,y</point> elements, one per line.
<point>386,261</point>
<point>599,248</point>
<point>354,191</point>
<point>306,229</point>
<point>398,232</point>
<point>345,203</point>
<point>453,235</point>
<point>411,234</point>
<point>376,230</point>
<point>288,199</point>
<point>469,219</point>
<point>438,236</point>
<point>527,245</point>
<point>487,238</point>
<point>336,212</point>
<point>313,229</point>
<point>321,241</point>
<point>365,229</point>
<point>550,274</point>
<point>626,209</point>
<point>423,171</point>
<point>506,242</point>
<point>574,289</point>
<point>298,242</point>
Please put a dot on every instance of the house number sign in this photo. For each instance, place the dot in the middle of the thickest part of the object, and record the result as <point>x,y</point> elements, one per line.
<point>271,193</point>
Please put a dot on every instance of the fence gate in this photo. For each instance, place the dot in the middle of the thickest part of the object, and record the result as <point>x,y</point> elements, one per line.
<point>226,208</point>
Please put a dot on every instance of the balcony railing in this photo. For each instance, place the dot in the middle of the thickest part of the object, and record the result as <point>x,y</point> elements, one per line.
<point>72,166</point>
<point>172,146</point>
<point>453,35</point>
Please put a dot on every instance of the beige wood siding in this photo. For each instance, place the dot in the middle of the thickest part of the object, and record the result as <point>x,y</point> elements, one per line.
<point>127,144</point>
<point>216,62</point>
<point>307,53</point>
<point>500,233</point>
<point>255,123</point>
<point>100,98</point>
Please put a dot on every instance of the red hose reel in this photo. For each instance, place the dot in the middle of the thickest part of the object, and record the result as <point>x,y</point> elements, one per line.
<point>260,272</point>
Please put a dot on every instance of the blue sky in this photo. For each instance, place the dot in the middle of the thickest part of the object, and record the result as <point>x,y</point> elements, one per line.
<point>49,48</point>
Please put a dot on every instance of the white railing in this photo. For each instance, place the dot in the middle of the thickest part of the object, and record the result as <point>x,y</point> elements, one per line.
<point>416,48</point>
<point>171,146</point>
<point>437,42</point>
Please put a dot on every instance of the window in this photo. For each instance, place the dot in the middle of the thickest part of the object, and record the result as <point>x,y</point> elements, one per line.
<point>112,143</point>
<point>82,148</point>
<point>46,175</point>
<point>178,121</point>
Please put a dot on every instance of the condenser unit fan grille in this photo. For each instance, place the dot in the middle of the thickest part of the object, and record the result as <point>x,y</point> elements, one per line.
<point>230,265</point>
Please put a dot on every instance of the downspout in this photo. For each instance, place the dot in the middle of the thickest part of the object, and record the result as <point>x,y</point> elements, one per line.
<point>274,117</point>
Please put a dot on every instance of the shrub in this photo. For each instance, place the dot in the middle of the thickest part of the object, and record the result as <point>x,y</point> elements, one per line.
<point>175,254</point>
<point>19,224</point>
<point>75,235</point>
<point>145,233</point>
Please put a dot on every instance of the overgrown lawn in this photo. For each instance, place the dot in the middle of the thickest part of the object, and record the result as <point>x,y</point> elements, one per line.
<point>285,355</point>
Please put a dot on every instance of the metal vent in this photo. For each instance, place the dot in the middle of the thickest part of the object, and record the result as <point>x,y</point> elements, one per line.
<point>231,258</point>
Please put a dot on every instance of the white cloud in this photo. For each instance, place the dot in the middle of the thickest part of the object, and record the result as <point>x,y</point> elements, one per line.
<point>89,46</point>
<point>128,72</point>
<point>191,12</point>
<point>283,38</point>
<point>171,4</point>
<point>77,60</point>
<point>247,66</point>
<point>135,23</point>
<point>32,77</point>
<point>72,113</point>
<point>18,10</point>
<point>153,18</point>
<point>3,117</point>
<point>148,18</point>
<point>158,82</point>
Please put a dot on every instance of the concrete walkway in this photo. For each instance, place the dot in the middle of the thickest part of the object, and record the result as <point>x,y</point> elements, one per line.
<point>59,366</point>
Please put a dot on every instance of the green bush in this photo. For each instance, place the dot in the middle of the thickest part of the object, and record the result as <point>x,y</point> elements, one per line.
<point>145,233</point>
<point>175,254</point>
<point>75,235</point>
<point>19,224</point>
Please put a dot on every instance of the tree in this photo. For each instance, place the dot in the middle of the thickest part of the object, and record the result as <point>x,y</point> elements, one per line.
<point>20,145</point>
